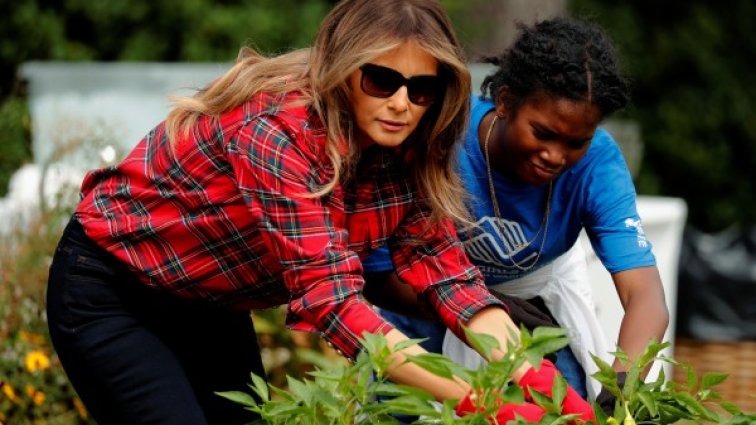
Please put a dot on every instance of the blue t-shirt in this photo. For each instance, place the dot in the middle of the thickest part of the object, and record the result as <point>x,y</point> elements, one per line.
<point>597,194</point>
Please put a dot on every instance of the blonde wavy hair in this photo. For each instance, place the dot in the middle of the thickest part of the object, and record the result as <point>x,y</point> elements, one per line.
<point>352,34</point>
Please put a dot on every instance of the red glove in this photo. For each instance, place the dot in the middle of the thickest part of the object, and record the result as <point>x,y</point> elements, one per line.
<point>542,381</point>
<point>507,412</point>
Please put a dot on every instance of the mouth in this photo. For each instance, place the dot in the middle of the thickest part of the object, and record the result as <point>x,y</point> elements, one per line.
<point>546,173</point>
<point>391,125</point>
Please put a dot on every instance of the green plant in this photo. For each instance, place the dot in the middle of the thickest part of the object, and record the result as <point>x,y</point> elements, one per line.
<point>341,394</point>
<point>662,401</point>
<point>346,394</point>
<point>33,386</point>
<point>34,389</point>
<point>16,138</point>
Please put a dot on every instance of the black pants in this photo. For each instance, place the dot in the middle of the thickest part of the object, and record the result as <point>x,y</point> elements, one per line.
<point>139,356</point>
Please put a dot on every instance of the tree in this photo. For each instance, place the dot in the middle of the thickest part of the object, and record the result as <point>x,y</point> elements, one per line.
<point>695,98</point>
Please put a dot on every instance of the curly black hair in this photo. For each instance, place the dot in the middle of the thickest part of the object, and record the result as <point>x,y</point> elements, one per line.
<point>562,57</point>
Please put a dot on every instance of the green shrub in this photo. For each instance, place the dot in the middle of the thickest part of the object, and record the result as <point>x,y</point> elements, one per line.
<point>33,386</point>
<point>15,139</point>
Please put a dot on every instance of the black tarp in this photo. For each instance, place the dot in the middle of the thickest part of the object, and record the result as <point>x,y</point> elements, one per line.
<point>717,285</point>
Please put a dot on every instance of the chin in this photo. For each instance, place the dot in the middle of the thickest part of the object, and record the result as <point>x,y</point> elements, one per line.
<point>391,142</point>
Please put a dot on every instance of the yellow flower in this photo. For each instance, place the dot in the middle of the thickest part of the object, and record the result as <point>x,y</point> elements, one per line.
<point>38,397</point>
<point>32,338</point>
<point>9,392</point>
<point>80,408</point>
<point>36,360</point>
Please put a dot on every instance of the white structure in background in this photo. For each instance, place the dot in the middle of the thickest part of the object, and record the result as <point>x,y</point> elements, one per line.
<point>32,185</point>
<point>663,222</point>
<point>114,105</point>
<point>85,115</point>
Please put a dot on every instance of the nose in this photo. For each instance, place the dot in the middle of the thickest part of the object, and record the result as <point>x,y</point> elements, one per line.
<point>554,156</point>
<point>399,101</point>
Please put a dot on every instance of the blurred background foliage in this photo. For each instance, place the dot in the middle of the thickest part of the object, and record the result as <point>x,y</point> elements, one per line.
<point>694,94</point>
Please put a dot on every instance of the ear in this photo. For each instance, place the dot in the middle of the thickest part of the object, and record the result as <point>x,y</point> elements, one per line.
<point>502,102</point>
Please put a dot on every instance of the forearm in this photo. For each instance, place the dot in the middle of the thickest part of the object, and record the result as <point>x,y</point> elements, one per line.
<point>646,315</point>
<point>638,327</point>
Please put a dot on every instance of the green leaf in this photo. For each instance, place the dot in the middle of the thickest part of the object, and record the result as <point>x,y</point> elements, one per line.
<point>543,333</point>
<point>605,370</point>
<point>283,394</point>
<point>390,389</point>
<point>408,405</point>
<point>300,389</point>
<point>434,363</point>
<point>631,381</point>
<point>731,408</point>
<point>691,404</point>
<point>260,387</point>
<point>533,357</point>
<point>544,347</point>
<point>670,414</point>
<point>650,353</point>
<point>482,343</point>
<point>711,379</point>
<point>238,397</point>
<point>285,410</point>
<point>408,343</point>
<point>373,343</point>
<point>544,401</point>
<point>554,419</point>
<point>513,394</point>
<point>691,377</point>
<point>621,356</point>
<point>558,390</point>
<point>648,400</point>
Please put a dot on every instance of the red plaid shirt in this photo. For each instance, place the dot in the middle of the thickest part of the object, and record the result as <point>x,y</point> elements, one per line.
<point>221,216</point>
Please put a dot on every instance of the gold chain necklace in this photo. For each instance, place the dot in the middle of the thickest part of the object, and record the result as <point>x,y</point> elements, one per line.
<point>544,222</point>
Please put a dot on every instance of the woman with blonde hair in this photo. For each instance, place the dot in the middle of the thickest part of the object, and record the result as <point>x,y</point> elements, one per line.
<point>267,188</point>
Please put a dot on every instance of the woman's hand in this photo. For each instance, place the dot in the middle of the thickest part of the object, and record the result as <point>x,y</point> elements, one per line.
<point>507,411</point>
<point>542,380</point>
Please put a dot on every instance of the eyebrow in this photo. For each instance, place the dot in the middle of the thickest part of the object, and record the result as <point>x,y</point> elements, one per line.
<point>555,134</point>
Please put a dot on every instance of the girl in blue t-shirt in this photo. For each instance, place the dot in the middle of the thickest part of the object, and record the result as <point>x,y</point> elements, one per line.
<point>538,170</point>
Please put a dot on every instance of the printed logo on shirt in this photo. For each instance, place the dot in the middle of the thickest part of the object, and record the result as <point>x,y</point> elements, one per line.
<point>492,243</point>
<point>636,224</point>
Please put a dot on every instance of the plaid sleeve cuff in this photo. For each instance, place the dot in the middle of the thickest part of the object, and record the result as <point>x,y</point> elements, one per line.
<point>457,302</point>
<point>342,327</point>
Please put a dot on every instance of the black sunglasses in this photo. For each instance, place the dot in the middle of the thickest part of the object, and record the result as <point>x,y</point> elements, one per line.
<point>382,82</point>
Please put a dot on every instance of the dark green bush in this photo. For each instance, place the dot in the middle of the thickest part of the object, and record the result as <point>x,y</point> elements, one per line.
<point>695,97</point>
<point>14,138</point>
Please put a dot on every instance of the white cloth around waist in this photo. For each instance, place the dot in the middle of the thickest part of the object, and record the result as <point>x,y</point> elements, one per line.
<point>564,287</point>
